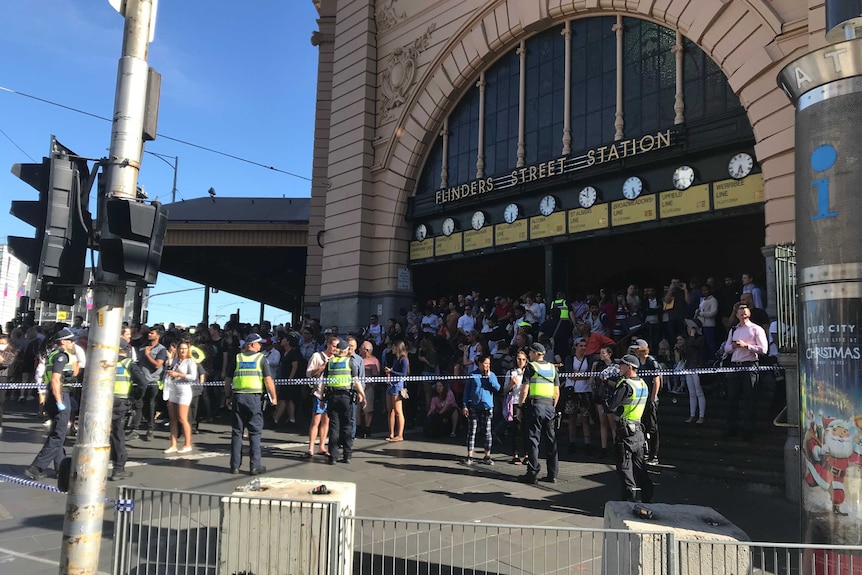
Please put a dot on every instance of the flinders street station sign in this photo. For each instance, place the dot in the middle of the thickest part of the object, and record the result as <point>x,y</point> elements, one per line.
<point>557,167</point>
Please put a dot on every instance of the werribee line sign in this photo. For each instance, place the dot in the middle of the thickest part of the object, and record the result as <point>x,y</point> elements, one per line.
<point>557,167</point>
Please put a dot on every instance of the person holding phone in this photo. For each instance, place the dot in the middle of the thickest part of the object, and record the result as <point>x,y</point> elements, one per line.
<point>745,342</point>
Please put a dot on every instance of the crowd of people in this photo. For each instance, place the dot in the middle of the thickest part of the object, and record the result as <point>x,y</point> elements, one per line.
<point>473,355</point>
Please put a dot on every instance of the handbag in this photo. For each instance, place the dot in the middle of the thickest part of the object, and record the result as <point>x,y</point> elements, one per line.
<point>404,393</point>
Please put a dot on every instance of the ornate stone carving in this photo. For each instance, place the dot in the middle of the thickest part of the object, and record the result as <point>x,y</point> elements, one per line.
<point>386,15</point>
<point>399,74</point>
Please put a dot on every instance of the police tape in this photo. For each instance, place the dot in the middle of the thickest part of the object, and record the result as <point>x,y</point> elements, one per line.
<point>311,381</point>
<point>118,504</point>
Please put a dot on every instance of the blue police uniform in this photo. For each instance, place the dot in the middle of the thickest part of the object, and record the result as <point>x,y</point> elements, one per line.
<point>339,374</point>
<point>542,379</point>
<point>53,452</point>
<point>247,384</point>
<point>122,405</point>
<point>629,401</point>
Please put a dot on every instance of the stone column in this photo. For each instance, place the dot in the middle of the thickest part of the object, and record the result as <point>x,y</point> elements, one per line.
<point>324,39</point>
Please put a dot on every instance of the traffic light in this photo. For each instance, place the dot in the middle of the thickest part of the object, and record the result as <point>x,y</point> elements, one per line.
<point>133,249</point>
<point>56,254</point>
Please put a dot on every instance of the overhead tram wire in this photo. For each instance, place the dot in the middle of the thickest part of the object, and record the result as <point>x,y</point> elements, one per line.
<point>171,138</point>
<point>14,143</point>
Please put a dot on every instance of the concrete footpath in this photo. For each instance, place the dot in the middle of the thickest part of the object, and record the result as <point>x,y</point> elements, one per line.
<point>413,479</point>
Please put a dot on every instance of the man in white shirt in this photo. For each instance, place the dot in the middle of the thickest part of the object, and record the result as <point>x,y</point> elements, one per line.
<point>375,330</point>
<point>430,322</point>
<point>466,322</point>
<point>745,342</point>
<point>748,286</point>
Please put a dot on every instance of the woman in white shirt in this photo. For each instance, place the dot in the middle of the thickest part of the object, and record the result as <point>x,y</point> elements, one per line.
<point>179,379</point>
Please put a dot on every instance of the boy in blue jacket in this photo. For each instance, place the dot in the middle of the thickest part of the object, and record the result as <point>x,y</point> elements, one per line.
<point>479,389</point>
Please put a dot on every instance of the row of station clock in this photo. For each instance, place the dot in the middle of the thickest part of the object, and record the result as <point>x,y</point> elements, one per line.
<point>739,167</point>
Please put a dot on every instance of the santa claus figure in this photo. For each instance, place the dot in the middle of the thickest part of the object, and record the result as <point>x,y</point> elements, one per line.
<point>830,451</point>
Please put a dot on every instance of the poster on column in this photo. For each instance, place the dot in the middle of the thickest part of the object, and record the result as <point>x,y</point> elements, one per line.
<point>831,414</point>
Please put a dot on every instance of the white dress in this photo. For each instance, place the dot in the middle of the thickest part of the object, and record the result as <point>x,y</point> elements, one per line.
<point>179,389</point>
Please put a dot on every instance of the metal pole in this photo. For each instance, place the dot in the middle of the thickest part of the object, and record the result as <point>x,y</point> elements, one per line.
<point>174,189</point>
<point>206,314</point>
<point>825,87</point>
<point>85,503</point>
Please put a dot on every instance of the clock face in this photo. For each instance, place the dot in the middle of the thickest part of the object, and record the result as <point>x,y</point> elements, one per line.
<point>588,197</point>
<point>478,220</point>
<point>740,165</point>
<point>510,214</point>
<point>547,205</point>
<point>448,226</point>
<point>683,177</point>
<point>632,187</point>
<point>421,232</point>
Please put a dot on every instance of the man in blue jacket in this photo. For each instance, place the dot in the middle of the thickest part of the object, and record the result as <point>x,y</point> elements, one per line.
<point>479,391</point>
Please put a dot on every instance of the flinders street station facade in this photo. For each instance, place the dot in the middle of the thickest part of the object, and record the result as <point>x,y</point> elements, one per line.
<point>514,145</point>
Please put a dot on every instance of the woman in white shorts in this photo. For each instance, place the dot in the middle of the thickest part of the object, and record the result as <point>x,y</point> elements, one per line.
<point>179,379</point>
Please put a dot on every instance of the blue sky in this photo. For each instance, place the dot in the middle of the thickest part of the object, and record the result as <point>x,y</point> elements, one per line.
<point>236,77</point>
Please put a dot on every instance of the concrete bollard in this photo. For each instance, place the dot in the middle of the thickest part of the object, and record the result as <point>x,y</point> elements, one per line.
<point>273,526</point>
<point>708,548</point>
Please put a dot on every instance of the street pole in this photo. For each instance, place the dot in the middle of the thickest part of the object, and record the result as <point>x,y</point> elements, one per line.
<point>174,188</point>
<point>825,87</point>
<point>85,503</point>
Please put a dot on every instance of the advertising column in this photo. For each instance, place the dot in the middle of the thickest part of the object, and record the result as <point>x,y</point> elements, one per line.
<point>826,88</point>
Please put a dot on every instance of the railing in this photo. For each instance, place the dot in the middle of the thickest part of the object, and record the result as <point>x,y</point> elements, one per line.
<point>785,297</point>
<point>164,532</point>
<point>395,546</point>
<point>721,557</point>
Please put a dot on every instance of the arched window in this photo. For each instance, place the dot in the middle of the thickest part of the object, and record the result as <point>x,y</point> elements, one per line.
<point>648,93</point>
<point>594,84</point>
<point>649,76</point>
<point>545,96</point>
<point>502,90</point>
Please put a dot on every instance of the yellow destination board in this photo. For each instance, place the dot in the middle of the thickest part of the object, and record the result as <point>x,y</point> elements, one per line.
<point>444,246</point>
<point>548,226</point>
<point>421,250</point>
<point>732,193</point>
<point>477,240</point>
<point>684,202</point>
<point>510,233</point>
<point>642,209</point>
<point>584,220</point>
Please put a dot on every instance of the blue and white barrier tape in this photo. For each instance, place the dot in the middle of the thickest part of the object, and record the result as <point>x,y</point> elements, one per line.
<point>387,380</point>
<point>119,504</point>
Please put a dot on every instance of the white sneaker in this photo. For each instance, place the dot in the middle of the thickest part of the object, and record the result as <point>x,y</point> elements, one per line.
<point>170,450</point>
<point>184,449</point>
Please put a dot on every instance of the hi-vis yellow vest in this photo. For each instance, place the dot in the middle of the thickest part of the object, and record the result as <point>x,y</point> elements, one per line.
<point>339,373</point>
<point>633,406</point>
<point>542,380</point>
<point>248,377</point>
<point>123,379</point>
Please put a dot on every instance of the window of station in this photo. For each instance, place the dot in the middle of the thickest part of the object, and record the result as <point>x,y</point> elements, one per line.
<point>594,83</point>
<point>649,83</point>
<point>545,92</point>
<point>646,87</point>
<point>502,93</point>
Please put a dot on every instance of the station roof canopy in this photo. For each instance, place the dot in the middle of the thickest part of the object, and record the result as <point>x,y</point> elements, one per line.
<point>253,247</point>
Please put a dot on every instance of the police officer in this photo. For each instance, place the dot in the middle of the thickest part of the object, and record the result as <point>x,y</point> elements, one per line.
<point>60,376</point>
<point>538,404</point>
<point>342,382</point>
<point>561,304</point>
<point>628,401</point>
<point>122,405</point>
<point>243,387</point>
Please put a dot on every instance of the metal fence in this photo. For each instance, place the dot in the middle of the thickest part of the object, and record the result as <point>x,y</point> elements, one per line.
<point>722,557</point>
<point>402,547</point>
<point>785,296</point>
<point>165,532</point>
